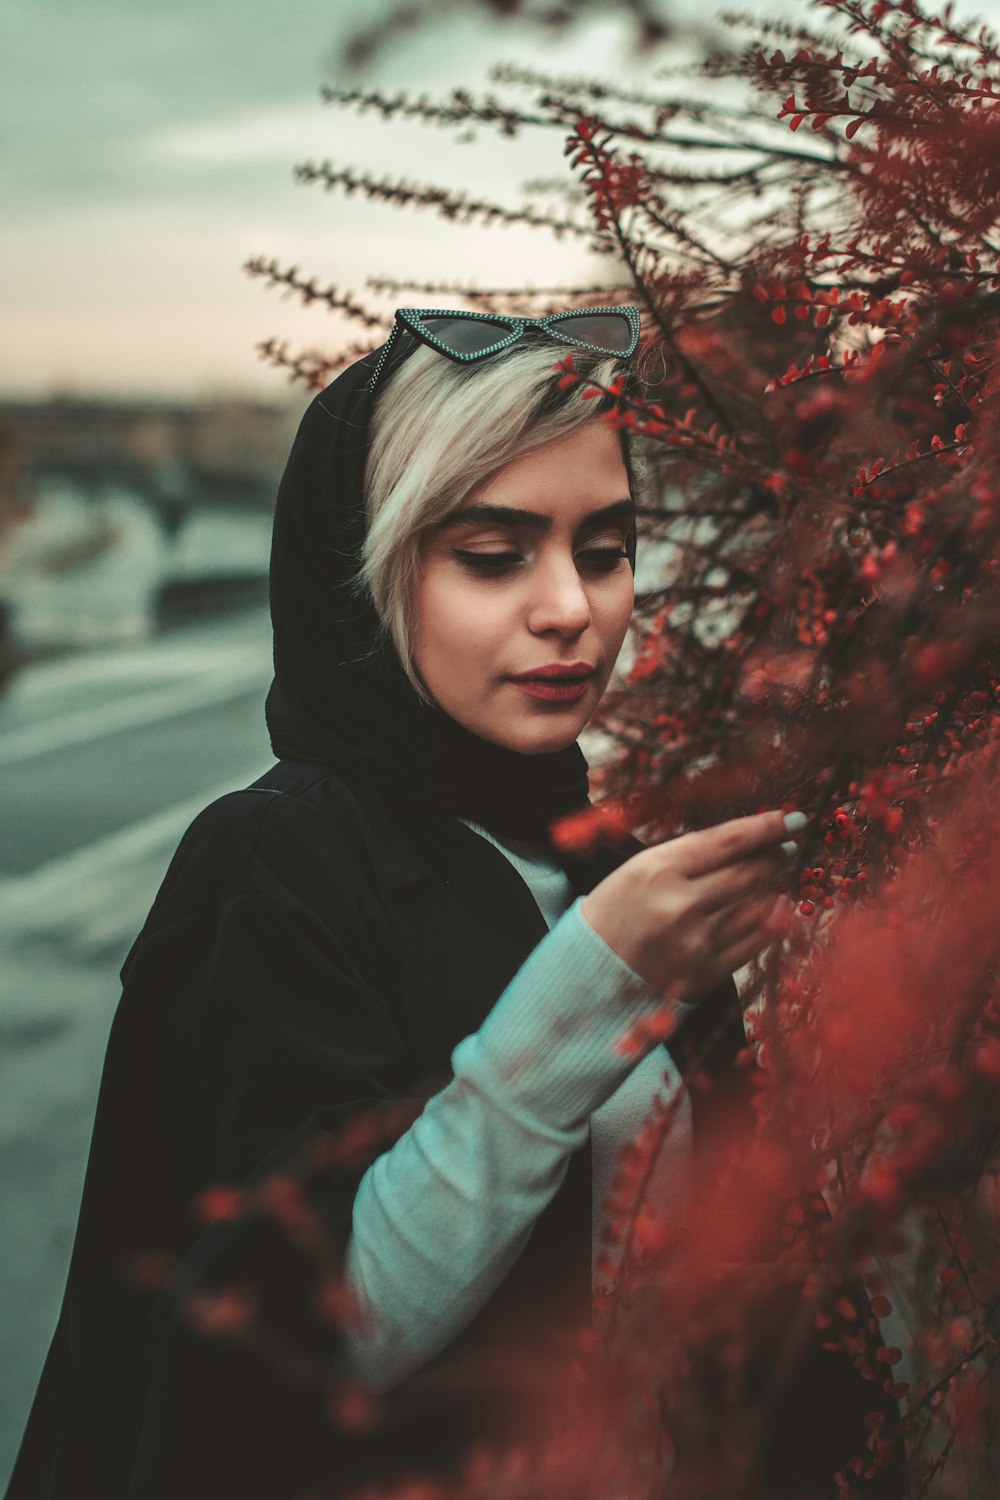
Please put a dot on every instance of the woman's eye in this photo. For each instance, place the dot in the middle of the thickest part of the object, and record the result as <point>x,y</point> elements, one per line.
<point>487,561</point>
<point>604,557</point>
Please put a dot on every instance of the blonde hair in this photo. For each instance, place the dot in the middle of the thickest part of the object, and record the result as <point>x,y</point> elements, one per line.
<point>439,430</point>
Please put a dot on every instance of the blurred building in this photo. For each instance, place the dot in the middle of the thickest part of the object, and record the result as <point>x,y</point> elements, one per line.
<point>119,519</point>
<point>216,452</point>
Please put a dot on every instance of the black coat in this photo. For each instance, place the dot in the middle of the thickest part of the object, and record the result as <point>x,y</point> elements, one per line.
<point>306,957</point>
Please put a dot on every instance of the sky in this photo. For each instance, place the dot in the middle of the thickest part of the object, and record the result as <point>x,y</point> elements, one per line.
<point>149,151</point>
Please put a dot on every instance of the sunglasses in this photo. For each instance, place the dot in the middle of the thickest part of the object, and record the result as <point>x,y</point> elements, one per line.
<point>466,337</point>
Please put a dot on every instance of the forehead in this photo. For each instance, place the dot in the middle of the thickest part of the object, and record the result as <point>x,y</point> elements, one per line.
<point>581,474</point>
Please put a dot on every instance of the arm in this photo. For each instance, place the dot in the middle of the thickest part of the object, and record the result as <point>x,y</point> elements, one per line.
<point>263,988</point>
<point>440,1218</point>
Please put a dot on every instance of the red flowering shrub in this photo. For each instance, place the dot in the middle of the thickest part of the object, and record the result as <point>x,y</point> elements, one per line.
<point>818,627</point>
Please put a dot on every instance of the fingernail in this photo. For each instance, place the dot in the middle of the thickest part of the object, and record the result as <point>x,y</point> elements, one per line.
<point>795,821</point>
<point>790,848</point>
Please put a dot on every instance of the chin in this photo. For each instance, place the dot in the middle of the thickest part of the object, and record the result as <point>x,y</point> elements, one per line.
<point>538,739</point>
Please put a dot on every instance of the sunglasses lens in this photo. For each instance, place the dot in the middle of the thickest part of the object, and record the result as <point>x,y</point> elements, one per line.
<point>467,335</point>
<point>609,331</point>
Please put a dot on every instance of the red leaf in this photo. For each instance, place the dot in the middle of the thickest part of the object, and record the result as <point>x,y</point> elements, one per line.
<point>854,127</point>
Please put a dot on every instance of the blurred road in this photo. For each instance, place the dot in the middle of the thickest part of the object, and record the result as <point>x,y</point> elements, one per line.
<point>104,761</point>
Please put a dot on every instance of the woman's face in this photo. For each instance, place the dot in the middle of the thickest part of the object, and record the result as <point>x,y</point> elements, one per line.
<point>530,573</point>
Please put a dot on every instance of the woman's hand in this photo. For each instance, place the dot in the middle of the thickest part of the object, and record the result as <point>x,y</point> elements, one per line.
<point>684,914</point>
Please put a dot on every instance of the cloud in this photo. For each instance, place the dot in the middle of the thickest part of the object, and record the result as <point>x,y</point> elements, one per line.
<point>277,133</point>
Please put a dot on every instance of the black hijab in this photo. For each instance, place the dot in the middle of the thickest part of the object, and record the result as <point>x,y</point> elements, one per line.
<point>340,696</point>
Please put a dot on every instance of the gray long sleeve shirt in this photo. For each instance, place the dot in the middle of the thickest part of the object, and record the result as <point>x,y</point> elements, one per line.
<point>441,1217</point>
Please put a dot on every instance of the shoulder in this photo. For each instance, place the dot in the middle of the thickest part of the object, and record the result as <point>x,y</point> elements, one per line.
<point>300,833</point>
<point>268,821</point>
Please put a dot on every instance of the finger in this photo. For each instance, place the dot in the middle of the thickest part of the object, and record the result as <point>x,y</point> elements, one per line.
<point>781,919</point>
<point>775,917</point>
<point>739,952</point>
<point>733,923</point>
<point>711,849</point>
<point>737,949</point>
<point>735,883</point>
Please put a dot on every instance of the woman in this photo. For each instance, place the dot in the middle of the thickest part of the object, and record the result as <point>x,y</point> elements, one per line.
<point>382,922</point>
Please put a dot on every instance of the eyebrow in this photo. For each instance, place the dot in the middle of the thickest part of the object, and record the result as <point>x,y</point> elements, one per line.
<point>510,515</point>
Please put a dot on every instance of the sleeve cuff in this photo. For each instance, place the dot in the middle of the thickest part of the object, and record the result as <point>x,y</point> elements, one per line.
<point>683,1007</point>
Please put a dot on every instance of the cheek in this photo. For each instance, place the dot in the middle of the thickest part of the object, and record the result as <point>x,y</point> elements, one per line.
<point>617,612</point>
<point>455,624</point>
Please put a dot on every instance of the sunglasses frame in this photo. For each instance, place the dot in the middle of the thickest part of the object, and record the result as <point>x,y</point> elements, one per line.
<point>411,318</point>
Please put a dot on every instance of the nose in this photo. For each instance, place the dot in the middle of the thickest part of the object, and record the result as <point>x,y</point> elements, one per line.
<point>559,600</point>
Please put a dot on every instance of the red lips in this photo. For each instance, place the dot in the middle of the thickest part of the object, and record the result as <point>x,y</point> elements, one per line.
<point>557,671</point>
